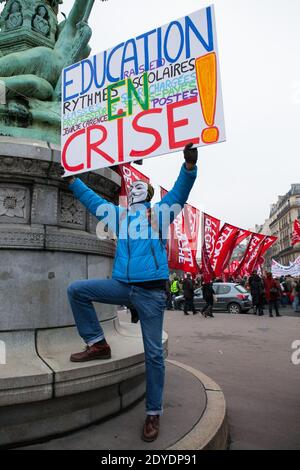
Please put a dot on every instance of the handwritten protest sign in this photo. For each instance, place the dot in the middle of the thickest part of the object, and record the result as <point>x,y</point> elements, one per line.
<point>148,96</point>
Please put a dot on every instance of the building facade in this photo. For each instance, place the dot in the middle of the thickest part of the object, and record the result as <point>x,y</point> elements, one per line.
<point>282,216</point>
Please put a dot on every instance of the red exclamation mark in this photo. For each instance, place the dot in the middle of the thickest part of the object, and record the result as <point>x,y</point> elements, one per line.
<point>206,69</point>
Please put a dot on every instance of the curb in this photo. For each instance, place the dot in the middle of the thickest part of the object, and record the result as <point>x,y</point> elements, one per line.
<point>211,431</point>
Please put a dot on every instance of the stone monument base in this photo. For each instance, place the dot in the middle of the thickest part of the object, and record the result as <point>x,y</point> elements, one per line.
<point>43,394</point>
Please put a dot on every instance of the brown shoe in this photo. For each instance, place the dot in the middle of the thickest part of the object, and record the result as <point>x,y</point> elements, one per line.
<point>91,353</point>
<point>151,428</point>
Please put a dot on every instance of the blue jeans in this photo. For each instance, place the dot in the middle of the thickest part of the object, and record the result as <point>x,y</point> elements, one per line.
<point>150,305</point>
<point>296,304</point>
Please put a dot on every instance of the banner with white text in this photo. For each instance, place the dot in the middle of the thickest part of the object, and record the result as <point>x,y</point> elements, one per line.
<point>279,270</point>
<point>182,236</point>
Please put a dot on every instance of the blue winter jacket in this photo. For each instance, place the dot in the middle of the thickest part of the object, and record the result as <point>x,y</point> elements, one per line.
<point>141,253</point>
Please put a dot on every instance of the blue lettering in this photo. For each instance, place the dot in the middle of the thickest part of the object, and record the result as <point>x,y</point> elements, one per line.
<point>109,76</point>
<point>167,56</point>
<point>69,82</point>
<point>146,47</point>
<point>96,70</point>
<point>190,26</point>
<point>123,60</point>
<point>159,48</point>
<point>83,76</point>
<point>132,58</point>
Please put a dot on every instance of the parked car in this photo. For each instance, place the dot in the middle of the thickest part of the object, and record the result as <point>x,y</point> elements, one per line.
<point>232,297</point>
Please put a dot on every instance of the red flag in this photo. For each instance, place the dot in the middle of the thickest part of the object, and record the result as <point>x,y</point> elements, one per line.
<point>256,260</point>
<point>242,236</point>
<point>163,192</point>
<point>192,222</point>
<point>269,241</point>
<point>180,253</point>
<point>211,228</point>
<point>206,268</point>
<point>260,262</point>
<point>129,175</point>
<point>224,247</point>
<point>253,252</point>
<point>296,233</point>
<point>239,269</point>
<point>232,267</point>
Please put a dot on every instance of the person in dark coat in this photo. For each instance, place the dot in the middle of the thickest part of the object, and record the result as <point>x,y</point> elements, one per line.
<point>188,293</point>
<point>273,294</point>
<point>257,293</point>
<point>208,296</point>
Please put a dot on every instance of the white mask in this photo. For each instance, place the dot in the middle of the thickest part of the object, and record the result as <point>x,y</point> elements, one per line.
<point>138,192</point>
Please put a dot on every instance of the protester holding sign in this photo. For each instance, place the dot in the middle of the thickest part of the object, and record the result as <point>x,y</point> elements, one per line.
<point>139,276</point>
<point>148,96</point>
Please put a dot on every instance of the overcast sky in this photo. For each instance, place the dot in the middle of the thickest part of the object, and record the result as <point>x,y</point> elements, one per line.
<point>259,50</point>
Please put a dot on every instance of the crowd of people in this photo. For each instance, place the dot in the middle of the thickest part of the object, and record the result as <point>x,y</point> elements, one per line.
<point>187,286</point>
<point>265,290</point>
<point>275,292</point>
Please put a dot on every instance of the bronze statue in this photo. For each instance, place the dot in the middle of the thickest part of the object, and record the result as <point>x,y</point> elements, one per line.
<point>15,18</point>
<point>40,22</point>
<point>32,77</point>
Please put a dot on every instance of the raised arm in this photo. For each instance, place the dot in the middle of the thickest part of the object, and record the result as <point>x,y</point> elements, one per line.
<point>98,206</point>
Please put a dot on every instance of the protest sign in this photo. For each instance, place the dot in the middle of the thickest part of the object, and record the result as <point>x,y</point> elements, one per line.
<point>148,96</point>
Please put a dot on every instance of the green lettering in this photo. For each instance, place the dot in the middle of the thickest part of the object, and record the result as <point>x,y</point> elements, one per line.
<point>144,101</point>
<point>112,101</point>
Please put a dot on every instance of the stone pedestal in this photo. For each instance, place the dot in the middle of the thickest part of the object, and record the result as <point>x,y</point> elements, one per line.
<point>47,241</point>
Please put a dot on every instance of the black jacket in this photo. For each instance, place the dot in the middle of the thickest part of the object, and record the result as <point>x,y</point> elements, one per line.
<point>188,288</point>
<point>256,285</point>
<point>208,292</point>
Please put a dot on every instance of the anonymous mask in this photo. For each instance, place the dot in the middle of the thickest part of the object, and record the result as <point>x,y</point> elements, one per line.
<point>138,192</point>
